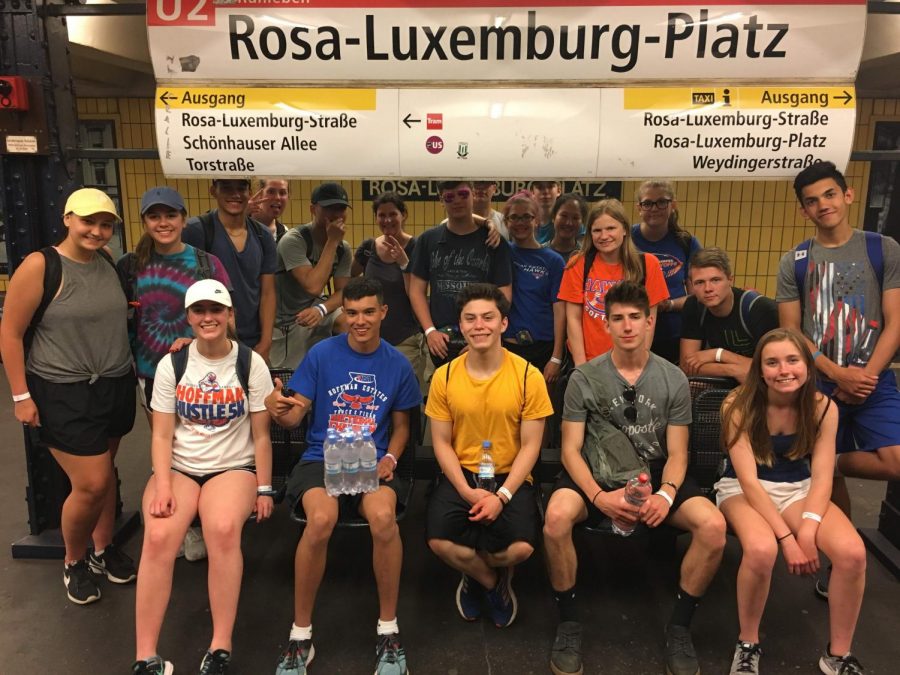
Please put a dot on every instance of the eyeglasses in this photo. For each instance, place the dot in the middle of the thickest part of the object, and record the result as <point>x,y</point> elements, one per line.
<point>450,195</point>
<point>630,395</point>
<point>521,218</point>
<point>649,205</point>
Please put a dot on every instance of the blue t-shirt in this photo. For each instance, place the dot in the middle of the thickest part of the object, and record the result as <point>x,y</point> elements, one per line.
<point>348,388</point>
<point>670,253</point>
<point>544,233</point>
<point>244,270</point>
<point>537,273</point>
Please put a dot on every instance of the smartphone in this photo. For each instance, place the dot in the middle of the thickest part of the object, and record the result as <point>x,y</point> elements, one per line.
<point>287,392</point>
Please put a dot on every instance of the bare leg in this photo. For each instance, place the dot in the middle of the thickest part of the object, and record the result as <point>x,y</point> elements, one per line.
<point>380,509</point>
<point>464,559</point>
<point>106,524</point>
<point>517,552</point>
<point>566,508</point>
<point>91,478</point>
<point>840,495</point>
<point>707,527</point>
<point>309,561</point>
<point>162,536</point>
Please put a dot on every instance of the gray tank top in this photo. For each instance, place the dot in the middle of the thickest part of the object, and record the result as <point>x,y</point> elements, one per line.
<point>84,332</point>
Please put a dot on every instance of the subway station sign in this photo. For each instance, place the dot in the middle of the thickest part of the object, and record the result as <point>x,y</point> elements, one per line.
<point>393,42</point>
<point>502,133</point>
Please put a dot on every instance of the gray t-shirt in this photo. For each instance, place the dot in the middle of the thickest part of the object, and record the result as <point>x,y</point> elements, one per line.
<point>841,305</point>
<point>292,253</point>
<point>662,397</point>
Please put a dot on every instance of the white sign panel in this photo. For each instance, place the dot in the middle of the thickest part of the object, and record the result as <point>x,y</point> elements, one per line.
<point>281,132</point>
<point>749,132</point>
<point>546,41</point>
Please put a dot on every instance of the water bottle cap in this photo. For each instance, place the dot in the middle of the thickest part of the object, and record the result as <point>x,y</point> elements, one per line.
<point>643,477</point>
<point>485,444</point>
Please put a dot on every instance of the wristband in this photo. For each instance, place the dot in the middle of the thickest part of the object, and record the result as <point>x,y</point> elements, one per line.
<point>403,267</point>
<point>265,491</point>
<point>555,360</point>
<point>809,515</point>
<point>719,355</point>
<point>816,354</point>
<point>429,331</point>
<point>393,459</point>
<point>322,310</point>
<point>505,492</point>
<point>780,539</point>
<point>18,398</point>
<point>665,495</point>
<point>595,497</point>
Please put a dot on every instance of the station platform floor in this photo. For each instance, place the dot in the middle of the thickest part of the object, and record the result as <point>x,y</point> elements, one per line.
<point>625,594</point>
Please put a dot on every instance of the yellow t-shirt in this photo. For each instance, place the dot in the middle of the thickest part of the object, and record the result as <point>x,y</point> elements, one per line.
<point>488,410</point>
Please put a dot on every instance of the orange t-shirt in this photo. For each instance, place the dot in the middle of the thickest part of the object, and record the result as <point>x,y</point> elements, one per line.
<point>601,278</point>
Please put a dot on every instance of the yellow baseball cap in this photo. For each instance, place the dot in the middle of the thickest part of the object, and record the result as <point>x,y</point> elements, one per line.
<point>88,201</point>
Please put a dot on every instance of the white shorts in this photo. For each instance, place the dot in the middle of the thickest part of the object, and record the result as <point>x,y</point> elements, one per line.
<point>781,494</point>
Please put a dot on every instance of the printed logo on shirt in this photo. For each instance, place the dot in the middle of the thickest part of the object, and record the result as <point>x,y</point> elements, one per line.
<point>537,271</point>
<point>595,291</point>
<point>209,404</point>
<point>671,265</point>
<point>355,403</point>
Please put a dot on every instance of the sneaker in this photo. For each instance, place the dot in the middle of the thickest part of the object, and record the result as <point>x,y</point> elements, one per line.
<point>746,659</point>
<point>298,655</point>
<point>681,659</point>
<point>565,657</point>
<point>822,582</point>
<point>215,663</point>
<point>194,546</point>
<point>502,599</point>
<point>390,657</point>
<point>115,565</point>
<point>152,666</point>
<point>840,665</point>
<point>81,585</point>
<point>468,598</point>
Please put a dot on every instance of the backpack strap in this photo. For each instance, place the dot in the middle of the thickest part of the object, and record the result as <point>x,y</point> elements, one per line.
<point>748,299</point>
<point>127,268</point>
<point>588,257</point>
<point>876,255</point>
<point>242,366</point>
<point>203,264</point>
<point>801,263</point>
<point>52,280</point>
<point>179,362</point>
<point>209,229</point>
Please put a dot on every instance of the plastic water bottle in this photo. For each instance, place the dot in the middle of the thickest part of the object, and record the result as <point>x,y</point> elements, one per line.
<point>865,346</point>
<point>486,480</point>
<point>636,492</point>
<point>368,462</point>
<point>350,463</point>
<point>331,449</point>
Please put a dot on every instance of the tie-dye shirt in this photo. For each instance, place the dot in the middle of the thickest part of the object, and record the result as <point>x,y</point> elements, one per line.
<point>160,318</point>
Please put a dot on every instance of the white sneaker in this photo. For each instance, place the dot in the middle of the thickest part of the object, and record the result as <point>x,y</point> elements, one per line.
<point>194,546</point>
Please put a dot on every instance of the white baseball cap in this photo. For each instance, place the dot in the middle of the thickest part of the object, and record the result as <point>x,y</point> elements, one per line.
<point>207,289</point>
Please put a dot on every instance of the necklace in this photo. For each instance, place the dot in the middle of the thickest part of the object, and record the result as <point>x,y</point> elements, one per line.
<point>240,234</point>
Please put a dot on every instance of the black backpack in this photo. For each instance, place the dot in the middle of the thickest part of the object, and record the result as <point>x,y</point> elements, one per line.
<point>52,281</point>
<point>245,354</point>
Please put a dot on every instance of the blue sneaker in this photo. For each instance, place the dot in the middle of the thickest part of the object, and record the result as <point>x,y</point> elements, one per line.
<point>391,659</point>
<point>502,599</point>
<point>298,655</point>
<point>468,598</point>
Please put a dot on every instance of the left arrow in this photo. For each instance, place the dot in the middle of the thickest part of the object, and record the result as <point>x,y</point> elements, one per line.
<point>166,97</point>
<point>408,121</point>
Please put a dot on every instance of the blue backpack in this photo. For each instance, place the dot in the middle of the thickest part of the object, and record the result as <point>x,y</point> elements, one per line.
<point>873,249</point>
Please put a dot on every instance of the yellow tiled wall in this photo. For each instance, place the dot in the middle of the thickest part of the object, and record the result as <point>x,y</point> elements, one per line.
<point>755,221</point>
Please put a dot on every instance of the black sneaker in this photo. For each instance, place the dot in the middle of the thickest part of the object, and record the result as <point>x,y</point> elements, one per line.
<point>822,582</point>
<point>565,657</point>
<point>215,663</point>
<point>81,585</point>
<point>115,565</point>
<point>152,666</point>
<point>681,659</point>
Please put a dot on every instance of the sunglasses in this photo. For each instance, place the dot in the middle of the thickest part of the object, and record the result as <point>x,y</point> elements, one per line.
<point>630,395</point>
<point>649,205</point>
<point>450,195</point>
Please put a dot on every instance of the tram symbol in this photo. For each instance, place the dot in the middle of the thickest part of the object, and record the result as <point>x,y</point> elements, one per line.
<point>462,152</point>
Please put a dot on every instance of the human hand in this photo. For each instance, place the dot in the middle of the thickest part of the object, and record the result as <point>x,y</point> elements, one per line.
<point>264,507</point>
<point>395,251</point>
<point>179,344</point>
<point>855,381</point>
<point>27,413</point>
<point>806,538</point>
<point>797,560</point>
<point>551,372</point>
<point>437,343</point>
<point>163,503</point>
<point>263,349</point>
<point>655,510</point>
<point>613,505</point>
<point>257,204</point>
<point>493,237</point>
<point>385,469</point>
<point>309,317</point>
<point>279,405</point>
<point>692,363</point>
<point>475,495</point>
<point>335,228</point>
<point>487,509</point>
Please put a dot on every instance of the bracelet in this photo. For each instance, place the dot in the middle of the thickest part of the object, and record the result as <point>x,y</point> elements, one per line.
<point>809,515</point>
<point>780,539</point>
<point>595,497</point>
<point>555,360</point>
<point>18,398</point>
<point>816,354</point>
<point>429,331</point>
<point>719,355</point>
<point>665,495</point>
<point>403,267</point>
<point>502,503</point>
<point>670,484</point>
<point>322,309</point>
<point>503,490</point>
<point>393,459</point>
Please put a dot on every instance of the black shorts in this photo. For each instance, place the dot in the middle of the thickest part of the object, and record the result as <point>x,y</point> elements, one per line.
<point>79,418</point>
<point>689,489</point>
<point>203,479</point>
<point>448,518</point>
<point>311,474</point>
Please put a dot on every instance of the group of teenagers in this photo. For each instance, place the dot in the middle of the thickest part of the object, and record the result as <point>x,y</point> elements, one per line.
<point>544,301</point>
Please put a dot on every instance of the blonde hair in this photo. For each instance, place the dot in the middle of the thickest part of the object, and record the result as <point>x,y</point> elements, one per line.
<point>629,256</point>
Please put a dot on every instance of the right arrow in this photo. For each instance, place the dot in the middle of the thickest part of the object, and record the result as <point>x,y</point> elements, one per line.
<point>408,121</point>
<point>846,98</point>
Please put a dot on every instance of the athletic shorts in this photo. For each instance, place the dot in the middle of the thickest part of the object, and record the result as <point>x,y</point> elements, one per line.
<point>203,479</point>
<point>79,418</point>
<point>688,490</point>
<point>872,425</point>
<point>145,392</point>
<point>311,474</point>
<point>782,494</point>
<point>448,518</point>
<point>291,342</point>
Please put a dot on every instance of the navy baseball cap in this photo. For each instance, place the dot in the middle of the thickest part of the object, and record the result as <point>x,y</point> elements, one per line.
<point>161,195</point>
<point>330,194</point>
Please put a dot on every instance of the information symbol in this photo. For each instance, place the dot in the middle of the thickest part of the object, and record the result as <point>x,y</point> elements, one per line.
<point>434,144</point>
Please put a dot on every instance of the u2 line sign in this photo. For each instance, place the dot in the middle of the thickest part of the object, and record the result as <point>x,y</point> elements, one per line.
<point>540,41</point>
<point>681,132</point>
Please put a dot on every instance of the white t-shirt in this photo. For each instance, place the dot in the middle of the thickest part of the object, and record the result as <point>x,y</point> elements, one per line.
<point>212,422</point>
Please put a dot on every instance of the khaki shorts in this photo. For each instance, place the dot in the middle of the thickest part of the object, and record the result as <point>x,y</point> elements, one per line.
<point>291,342</point>
<point>414,349</point>
<point>781,494</point>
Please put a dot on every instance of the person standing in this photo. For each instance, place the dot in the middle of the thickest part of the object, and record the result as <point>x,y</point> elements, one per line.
<point>546,192</point>
<point>268,205</point>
